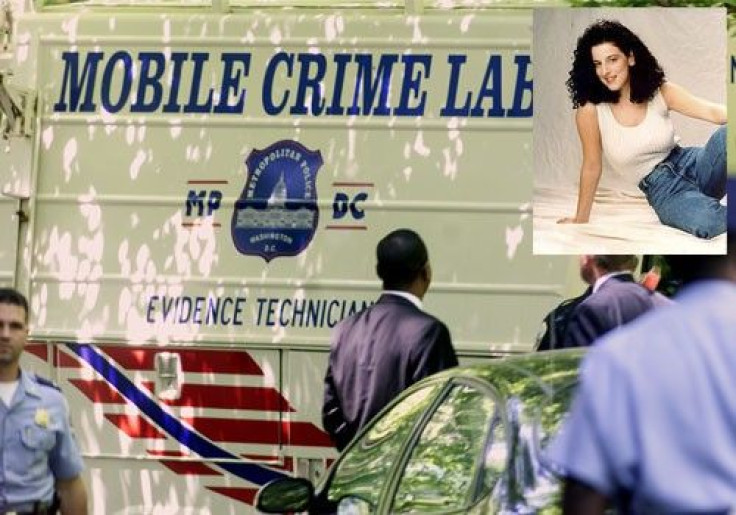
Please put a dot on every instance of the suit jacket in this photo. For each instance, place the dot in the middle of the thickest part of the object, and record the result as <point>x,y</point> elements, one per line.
<point>376,354</point>
<point>618,301</point>
<point>556,321</point>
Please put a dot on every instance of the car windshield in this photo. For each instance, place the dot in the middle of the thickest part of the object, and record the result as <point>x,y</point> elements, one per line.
<point>366,465</point>
<point>544,386</point>
<point>483,438</point>
<point>539,396</point>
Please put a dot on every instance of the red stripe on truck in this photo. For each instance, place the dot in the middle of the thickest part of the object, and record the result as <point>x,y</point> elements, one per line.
<point>64,360</point>
<point>40,350</point>
<point>199,361</point>
<point>261,431</point>
<point>190,468</point>
<point>195,395</point>
<point>134,426</point>
<point>231,397</point>
<point>232,431</point>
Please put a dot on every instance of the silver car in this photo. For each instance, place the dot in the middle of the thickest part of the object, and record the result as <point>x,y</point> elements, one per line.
<point>467,440</point>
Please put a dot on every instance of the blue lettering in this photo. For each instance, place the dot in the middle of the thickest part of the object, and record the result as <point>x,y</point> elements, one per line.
<point>199,59</point>
<point>493,71</point>
<point>231,82</point>
<point>213,203</point>
<point>197,316</point>
<point>299,312</point>
<point>271,311</point>
<point>225,302</point>
<point>381,81</point>
<point>177,58</point>
<point>340,205</point>
<point>371,83</point>
<point>76,84</point>
<point>150,309</point>
<point>237,320</point>
<point>185,312</point>
<point>125,85</point>
<point>284,304</point>
<point>267,95</point>
<point>353,308</point>
<point>523,85</point>
<point>450,109</point>
<point>261,301</point>
<point>323,312</point>
<point>307,82</point>
<point>411,86</point>
<point>167,306</point>
<point>331,322</point>
<point>148,80</point>
<point>358,213</point>
<point>197,310</point>
<point>313,314</point>
<point>195,199</point>
<point>213,310</point>
<point>336,107</point>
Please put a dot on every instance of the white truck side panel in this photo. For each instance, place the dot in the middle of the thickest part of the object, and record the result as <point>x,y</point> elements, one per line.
<point>133,257</point>
<point>8,207</point>
<point>111,230</point>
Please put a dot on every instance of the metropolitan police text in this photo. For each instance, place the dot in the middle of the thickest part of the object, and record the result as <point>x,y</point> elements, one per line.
<point>340,84</point>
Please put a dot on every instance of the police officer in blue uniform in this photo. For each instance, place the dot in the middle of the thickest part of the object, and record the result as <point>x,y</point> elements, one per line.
<point>651,430</point>
<point>38,454</point>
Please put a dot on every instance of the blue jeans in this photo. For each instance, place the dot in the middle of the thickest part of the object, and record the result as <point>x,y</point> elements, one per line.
<point>685,188</point>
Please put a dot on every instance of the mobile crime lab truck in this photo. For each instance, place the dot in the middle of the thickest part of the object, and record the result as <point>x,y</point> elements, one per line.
<point>192,195</point>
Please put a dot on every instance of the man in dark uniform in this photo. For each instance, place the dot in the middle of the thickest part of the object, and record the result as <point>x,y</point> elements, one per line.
<point>615,298</point>
<point>38,453</point>
<point>382,350</point>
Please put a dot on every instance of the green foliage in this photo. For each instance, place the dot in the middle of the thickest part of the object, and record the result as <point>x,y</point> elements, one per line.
<point>730,6</point>
<point>365,467</point>
<point>442,466</point>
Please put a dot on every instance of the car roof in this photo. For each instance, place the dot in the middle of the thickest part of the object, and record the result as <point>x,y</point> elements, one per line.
<point>542,383</point>
<point>514,375</point>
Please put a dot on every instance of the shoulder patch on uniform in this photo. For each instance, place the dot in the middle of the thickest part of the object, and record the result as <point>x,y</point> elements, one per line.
<point>46,382</point>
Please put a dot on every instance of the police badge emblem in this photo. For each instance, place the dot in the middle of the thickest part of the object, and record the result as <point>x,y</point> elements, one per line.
<point>277,214</point>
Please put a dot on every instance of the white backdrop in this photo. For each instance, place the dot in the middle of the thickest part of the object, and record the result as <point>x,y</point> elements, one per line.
<point>689,44</point>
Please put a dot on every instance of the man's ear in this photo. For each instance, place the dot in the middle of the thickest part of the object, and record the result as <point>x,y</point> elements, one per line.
<point>427,273</point>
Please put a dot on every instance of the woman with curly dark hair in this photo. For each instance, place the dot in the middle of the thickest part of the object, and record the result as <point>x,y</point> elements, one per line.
<point>622,101</point>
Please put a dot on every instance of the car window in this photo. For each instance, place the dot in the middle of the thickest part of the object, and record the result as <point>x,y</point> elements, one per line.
<point>496,457</point>
<point>531,482</point>
<point>362,472</point>
<point>439,475</point>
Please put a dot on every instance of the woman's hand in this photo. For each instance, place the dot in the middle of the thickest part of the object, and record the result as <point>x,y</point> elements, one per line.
<point>571,220</point>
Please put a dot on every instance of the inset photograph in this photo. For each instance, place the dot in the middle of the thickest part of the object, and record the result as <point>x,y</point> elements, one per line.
<point>629,136</point>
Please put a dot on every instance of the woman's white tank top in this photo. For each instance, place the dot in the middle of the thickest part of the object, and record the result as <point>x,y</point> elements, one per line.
<point>632,152</point>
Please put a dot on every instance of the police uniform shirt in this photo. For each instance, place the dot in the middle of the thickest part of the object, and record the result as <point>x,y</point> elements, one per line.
<point>7,391</point>
<point>36,443</point>
<point>652,425</point>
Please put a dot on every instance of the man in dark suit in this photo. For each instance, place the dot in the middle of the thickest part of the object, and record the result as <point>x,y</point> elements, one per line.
<point>615,298</point>
<point>377,353</point>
